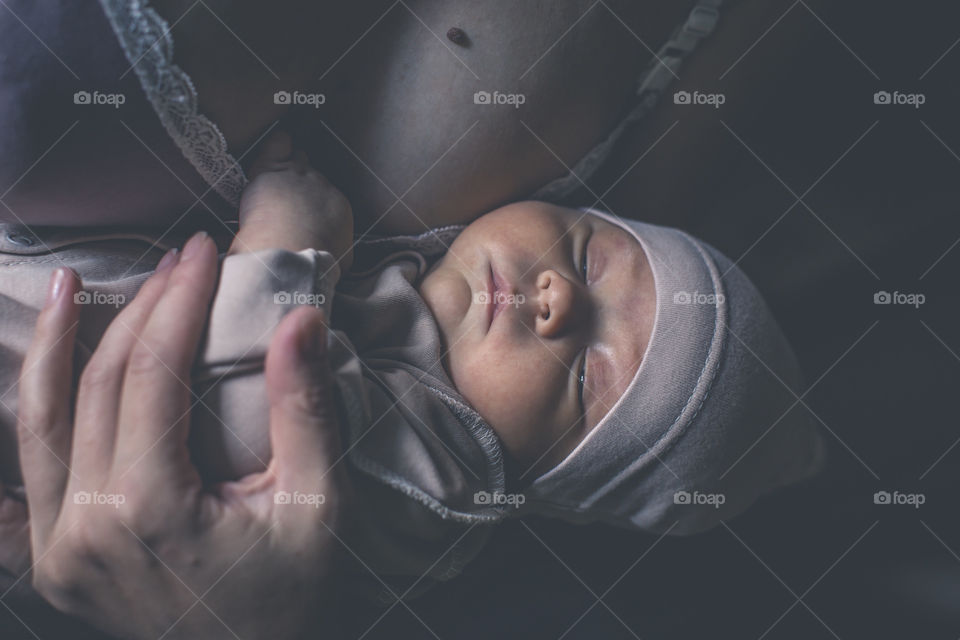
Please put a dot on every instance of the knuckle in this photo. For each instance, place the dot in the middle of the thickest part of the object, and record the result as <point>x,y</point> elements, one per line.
<point>136,515</point>
<point>311,400</point>
<point>157,280</point>
<point>84,540</point>
<point>191,282</point>
<point>144,361</point>
<point>47,324</point>
<point>56,579</point>
<point>184,277</point>
<point>98,374</point>
<point>36,420</point>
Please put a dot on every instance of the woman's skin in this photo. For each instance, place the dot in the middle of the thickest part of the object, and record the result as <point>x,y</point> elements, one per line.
<point>572,295</point>
<point>383,131</point>
<point>192,562</point>
<point>399,110</point>
<point>400,101</point>
<point>399,119</point>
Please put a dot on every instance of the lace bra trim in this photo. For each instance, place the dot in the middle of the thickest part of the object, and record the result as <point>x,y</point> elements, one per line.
<point>146,41</point>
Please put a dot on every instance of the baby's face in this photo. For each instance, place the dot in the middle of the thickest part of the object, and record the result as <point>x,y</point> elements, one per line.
<point>545,314</point>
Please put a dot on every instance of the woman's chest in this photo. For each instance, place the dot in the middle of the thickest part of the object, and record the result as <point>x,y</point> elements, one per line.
<point>421,128</point>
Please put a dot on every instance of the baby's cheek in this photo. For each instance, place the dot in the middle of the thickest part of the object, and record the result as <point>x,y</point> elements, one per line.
<point>498,383</point>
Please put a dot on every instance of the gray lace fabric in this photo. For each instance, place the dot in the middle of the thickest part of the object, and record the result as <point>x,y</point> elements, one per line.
<point>146,41</point>
<point>652,83</point>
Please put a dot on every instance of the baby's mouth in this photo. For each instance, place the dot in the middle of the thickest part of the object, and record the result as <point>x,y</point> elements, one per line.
<point>490,302</point>
<point>496,297</point>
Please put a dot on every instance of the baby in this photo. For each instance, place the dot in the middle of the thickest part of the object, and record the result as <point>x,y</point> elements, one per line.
<point>539,360</point>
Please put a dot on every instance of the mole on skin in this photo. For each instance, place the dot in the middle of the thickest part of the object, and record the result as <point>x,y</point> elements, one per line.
<point>457,35</point>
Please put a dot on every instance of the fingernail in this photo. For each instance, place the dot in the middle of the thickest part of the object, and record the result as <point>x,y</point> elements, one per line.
<point>192,248</point>
<point>57,281</point>
<point>169,259</point>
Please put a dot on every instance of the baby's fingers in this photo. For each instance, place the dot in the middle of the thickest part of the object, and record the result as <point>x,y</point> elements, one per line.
<point>275,149</point>
<point>43,422</point>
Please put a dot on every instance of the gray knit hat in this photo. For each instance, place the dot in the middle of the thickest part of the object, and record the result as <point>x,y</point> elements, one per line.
<point>707,425</point>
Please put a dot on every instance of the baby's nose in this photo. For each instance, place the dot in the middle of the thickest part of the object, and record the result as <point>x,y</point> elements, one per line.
<point>553,304</point>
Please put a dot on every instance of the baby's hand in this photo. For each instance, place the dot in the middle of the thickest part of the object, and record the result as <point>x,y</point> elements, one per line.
<point>289,205</point>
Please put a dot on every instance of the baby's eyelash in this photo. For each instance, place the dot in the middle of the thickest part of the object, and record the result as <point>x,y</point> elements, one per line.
<point>581,376</point>
<point>583,263</point>
<point>580,379</point>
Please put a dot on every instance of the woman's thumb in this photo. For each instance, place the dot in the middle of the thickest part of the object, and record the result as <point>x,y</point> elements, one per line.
<point>304,427</point>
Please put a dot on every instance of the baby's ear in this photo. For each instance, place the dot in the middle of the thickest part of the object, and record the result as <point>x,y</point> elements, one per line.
<point>273,150</point>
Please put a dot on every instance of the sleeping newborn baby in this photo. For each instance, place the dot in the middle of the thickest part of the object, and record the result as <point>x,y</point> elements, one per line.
<point>541,360</point>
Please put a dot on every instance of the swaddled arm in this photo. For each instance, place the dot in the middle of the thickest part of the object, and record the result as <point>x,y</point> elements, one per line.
<point>290,205</point>
<point>294,241</point>
<point>230,408</point>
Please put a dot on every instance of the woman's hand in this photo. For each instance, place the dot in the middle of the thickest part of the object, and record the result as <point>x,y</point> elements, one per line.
<point>123,534</point>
